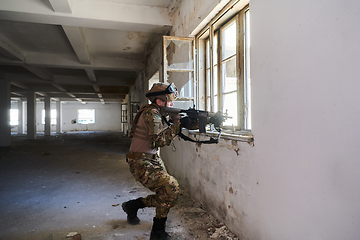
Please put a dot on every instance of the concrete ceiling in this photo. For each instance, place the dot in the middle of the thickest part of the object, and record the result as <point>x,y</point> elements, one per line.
<point>78,50</point>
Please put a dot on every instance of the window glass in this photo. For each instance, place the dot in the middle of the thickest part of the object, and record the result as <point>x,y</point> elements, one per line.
<point>208,83</point>
<point>231,108</point>
<point>14,117</point>
<point>53,116</point>
<point>229,76</point>
<point>228,42</point>
<point>247,72</point>
<point>215,51</point>
<point>216,104</point>
<point>86,116</point>
<point>207,103</point>
<point>207,53</point>
<point>215,81</point>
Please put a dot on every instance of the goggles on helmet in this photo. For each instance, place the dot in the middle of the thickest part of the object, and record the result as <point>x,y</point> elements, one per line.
<point>170,92</point>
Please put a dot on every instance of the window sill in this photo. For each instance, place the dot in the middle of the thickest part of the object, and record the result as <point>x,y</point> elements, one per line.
<point>242,136</point>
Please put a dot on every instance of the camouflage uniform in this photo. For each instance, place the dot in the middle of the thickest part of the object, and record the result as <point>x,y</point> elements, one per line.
<point>149,134</point>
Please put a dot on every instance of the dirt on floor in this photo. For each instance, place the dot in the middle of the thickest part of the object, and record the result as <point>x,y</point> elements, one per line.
<point>71,186</point>
<point>196,221</point>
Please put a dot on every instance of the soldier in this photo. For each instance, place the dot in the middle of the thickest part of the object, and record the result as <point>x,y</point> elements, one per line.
<point>148,134</point>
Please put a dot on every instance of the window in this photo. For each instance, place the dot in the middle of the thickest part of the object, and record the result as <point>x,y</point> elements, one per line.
<point>14,117</point>
<point>179,68</point>
<point>52,116</point>
<point>224,50</point>
<point>86,116</point>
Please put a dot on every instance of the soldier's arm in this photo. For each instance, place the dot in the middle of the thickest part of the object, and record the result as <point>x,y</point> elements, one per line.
<point>160,136</point>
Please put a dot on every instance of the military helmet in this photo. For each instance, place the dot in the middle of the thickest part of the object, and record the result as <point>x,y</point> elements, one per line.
<point>163,91</point>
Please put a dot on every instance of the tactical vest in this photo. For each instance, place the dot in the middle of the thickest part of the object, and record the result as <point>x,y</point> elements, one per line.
<point>141,139</point>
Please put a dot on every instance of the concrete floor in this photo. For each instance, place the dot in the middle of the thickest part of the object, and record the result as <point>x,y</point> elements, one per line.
<point>73,182</point>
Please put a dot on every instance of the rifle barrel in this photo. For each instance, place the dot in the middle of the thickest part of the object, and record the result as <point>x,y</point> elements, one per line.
<point>172,110</point>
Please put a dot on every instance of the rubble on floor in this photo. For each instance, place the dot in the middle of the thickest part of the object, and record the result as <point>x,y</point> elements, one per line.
<point>196,222</point>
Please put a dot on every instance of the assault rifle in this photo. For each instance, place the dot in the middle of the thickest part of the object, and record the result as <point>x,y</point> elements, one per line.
<point>197,119</point>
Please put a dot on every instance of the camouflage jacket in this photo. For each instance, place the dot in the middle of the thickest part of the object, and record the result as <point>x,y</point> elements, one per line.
<point>149,127</point>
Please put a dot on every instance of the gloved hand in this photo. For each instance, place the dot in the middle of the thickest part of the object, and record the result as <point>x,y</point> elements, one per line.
<point>175,118</point>
<point>185,122</point>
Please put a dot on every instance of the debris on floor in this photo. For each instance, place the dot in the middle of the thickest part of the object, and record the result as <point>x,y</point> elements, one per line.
<point>84,203</point>
<point>74,236</point>
<point>196,222</point>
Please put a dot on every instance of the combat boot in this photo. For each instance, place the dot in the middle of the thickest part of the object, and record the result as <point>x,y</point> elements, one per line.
<point>158,230</point>
<point>131,207</point>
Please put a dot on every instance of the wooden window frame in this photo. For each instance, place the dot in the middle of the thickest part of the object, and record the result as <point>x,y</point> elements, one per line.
<point>208,34</point>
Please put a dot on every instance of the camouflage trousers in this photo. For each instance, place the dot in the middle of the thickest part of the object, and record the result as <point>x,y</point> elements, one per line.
<point>152,174</point>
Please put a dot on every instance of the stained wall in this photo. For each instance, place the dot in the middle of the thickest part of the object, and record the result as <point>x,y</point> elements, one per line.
<point>301,179</point>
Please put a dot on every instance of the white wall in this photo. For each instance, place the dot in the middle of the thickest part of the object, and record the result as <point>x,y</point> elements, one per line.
<point>107,116</point>
<point>301,179</point>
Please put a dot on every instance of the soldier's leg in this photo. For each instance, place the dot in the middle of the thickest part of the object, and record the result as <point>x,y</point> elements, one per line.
<point>153,175</point>
<point>167,191</point>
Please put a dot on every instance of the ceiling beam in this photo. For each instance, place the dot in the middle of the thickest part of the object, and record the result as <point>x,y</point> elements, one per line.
<point>91,75</point>
<point>17,94</point>
<point>10,50</point>
<point>62,6</point>
<point>19,85</point>
<point>107,100</point>
<point>63,90</point>
<point>59,87</point>
<point>41,94</point>
<point>78,43</point>
<point>68,80</point>
<point>96,88</point>
<point>57,60</point>
<point>90,13</point>
<point>41,73</point>
<point>13,52</point>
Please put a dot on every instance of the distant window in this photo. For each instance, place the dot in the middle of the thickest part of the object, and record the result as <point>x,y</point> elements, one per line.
<point>53,116</point>
<point>14,117</point>
<point>86,116</point>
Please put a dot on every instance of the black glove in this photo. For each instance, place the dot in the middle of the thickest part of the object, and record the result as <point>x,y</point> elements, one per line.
<point>185,122</point>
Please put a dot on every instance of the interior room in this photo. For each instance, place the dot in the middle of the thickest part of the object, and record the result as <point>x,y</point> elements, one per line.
<point>284,163</point>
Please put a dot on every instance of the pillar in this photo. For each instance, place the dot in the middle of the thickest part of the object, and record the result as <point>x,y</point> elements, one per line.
<point>58,117</point>
<point>31,114</point>
<point>5,128</point>
<point>47,115</point>
<point>21,117</point>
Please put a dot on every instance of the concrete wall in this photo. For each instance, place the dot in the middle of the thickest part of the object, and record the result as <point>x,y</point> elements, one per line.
<point>301,179</point>
<point>107,117</point>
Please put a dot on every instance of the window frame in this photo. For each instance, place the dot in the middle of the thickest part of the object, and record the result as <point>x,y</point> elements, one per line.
<point>208,34</point>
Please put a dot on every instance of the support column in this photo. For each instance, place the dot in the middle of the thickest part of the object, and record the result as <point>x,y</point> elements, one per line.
<point>58,117</point>
<point>21,117</point>
<point>47,116</point>
<point>5,128</point>
<point>31,114</point>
